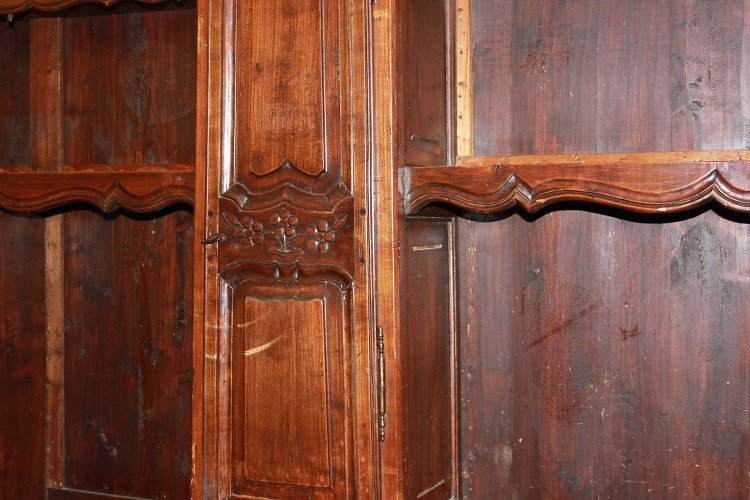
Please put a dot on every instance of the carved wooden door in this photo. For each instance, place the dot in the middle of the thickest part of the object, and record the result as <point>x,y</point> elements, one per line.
<point>287,349</point>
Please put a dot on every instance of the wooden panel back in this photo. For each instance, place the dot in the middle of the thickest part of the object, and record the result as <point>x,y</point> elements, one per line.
<point>428,360</point>
<point>22,357</point>
<point>129,87</point>
<point>14,92</point>
<point>128,366</point>
<point>600,356</point>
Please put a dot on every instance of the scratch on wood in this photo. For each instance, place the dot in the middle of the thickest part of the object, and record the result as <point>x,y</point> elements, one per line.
<point>431,488</point>
<point>262,348</point>
<point>427,247</point>
<point>565,324</point>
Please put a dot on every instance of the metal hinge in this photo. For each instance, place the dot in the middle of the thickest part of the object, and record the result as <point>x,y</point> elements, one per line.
<point>381,384</point>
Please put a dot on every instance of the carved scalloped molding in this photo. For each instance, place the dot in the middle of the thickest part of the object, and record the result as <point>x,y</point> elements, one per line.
<point>291,185</point>
<point>644,187</point>
<point>147,192</point>
<point>248,270</point>
<point>13,6</point>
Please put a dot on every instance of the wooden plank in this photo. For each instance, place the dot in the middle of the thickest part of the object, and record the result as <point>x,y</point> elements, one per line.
<point>428,360</point>
<point>128,339</point>
<point>138,72</point>
<point>464,79</point>
<point>14,92</point>
<point>22,357</point>
<point>611,159</point>
<point>46,137</point>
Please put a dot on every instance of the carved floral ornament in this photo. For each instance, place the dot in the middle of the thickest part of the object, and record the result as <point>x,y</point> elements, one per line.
<point>281,233</point>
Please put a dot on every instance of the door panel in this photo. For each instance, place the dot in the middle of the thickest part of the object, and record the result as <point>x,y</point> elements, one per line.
<point>288,258</point>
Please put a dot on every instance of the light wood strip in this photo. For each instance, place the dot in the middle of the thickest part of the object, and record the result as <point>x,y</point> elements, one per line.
<point>45,101</point>
<point>646,158</point>
<point>464,80</point>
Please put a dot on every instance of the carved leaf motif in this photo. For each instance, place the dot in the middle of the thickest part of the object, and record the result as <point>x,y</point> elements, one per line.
<point>232,219</point>
<point>339,222</point>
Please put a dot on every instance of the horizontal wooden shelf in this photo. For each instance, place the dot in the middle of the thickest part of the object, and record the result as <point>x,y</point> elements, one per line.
<point>16,6</point>
<point>639,182</point>
<point>138,188</point>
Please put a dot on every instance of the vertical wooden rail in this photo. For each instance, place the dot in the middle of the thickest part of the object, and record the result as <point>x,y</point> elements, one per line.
<point>464,80</point>
<point>46,141</point>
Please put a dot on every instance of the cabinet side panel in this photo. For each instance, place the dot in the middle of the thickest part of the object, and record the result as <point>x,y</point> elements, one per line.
<point>22,357</point>
<point>425,76</point>
<point>128,367</point>
<point>427,359</point>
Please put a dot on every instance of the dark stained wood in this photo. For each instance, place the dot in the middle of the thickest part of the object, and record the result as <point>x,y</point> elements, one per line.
<point>646,183</point>
<point>22,357</point>
<point>596,347</point>
<point>14,6</point>
<point>428,360</point>
<point>136,188</point>
<point>128,364</point>
<point>605,357</point>
<point>138,72</point>
<point>586,77</point>
<point>425,103</point>
<point>14,92</point>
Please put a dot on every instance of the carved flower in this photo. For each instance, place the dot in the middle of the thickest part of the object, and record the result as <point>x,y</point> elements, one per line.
<point>321,235</point>
<point>248,231</point>
<point>285,223</point>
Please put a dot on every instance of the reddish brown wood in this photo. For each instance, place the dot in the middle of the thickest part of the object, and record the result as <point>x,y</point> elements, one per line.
<point>138,72</point>
<point>301,349</point>
<point>427,360</point>
<point>128,368</point>
<point>15,6</point>
<point>607,357</point>
<point>135,188</point>
<point>287,165</point>
<point>647,183</point>
<point>594,345</point>
<point>22,357</point>
<point>423,51</point>
<point>46,136</point>
<point>14,81</point>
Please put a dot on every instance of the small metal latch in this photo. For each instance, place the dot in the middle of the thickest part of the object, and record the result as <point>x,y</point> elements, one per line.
<point>214,238</point>
<point>381,384</point>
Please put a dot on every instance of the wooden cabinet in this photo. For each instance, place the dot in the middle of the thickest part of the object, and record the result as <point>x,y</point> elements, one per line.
<point>374,249</point>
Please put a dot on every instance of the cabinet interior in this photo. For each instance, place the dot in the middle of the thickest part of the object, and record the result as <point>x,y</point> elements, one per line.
<point>96,332</point>
<point>598,352</point>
